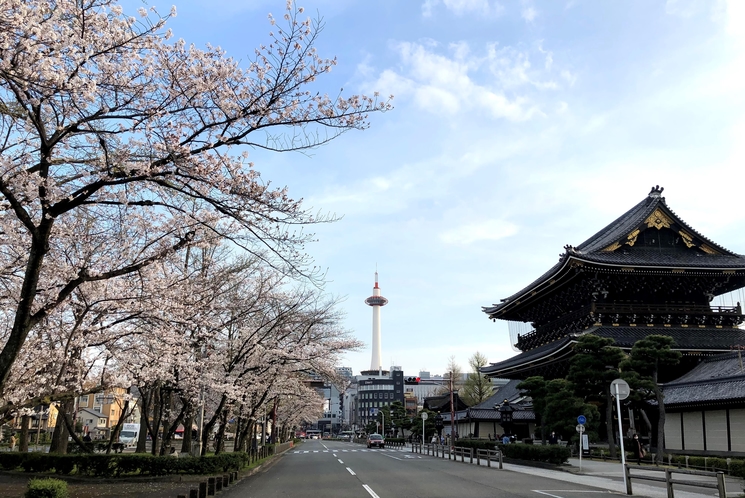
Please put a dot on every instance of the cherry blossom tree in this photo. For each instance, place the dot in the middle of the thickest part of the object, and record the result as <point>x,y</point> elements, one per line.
<point>109,127</point>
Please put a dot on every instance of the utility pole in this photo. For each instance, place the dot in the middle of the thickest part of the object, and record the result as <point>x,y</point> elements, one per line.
<point>452,414</point>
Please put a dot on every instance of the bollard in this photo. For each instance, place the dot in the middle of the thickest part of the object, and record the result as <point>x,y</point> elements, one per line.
<point>500,460</point>
<point>193,493</point>
<point>211,486</point>
<point>225,480</point>
<point>720,485</point>
<point>202,489</point>
<point>627,478</point>
<point>230,478</point>
<point>218,484</point>
<point>471,451</point>
<point>478,457</point>
<point>669,483</point>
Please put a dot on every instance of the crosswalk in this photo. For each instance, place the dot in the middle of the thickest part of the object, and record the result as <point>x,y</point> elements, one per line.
<point>364,450</point>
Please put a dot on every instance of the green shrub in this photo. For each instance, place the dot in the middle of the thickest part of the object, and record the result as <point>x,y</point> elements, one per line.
<point>11,460</point>
<point>480,444</point>
<point>46,488</point>
<point>552,454</point>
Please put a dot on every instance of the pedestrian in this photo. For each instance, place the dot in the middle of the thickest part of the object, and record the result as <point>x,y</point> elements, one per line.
<point>552,439</point>
<point>505,439</point>
<point>12,442</point>
<point>638,449</point>
<point>434,439</point>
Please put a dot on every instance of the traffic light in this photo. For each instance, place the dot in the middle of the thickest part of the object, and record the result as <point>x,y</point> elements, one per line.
<point>411,380</point>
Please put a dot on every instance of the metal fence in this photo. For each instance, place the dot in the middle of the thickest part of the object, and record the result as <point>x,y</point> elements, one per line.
<point>453,453</point>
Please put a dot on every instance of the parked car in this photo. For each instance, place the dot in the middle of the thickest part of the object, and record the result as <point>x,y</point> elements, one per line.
<point>375,440</point>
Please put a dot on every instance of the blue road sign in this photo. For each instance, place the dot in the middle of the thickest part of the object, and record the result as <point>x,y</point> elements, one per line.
<point>581,419</point>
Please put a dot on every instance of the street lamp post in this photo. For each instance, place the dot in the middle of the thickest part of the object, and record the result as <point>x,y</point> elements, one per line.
<point>439,425</point>
<point>505,415</point>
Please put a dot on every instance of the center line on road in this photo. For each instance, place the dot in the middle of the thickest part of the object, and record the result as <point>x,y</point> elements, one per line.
<point>391,456</point>
<point>351,471</point>
<point>340,461</point>
<point>372,493</point>
<point>336,456</point>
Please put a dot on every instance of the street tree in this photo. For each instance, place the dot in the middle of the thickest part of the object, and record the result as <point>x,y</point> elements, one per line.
<point>400,419</point>
<point>477,386</point>
<point>563,407</point>
<point>647,358</point>
<point>108,122</point>
<point>536,388</point>
<point>592,369</point>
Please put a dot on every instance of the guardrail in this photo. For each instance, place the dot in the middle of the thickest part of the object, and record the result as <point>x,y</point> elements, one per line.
<point>490,456</point>
<point>439,451</point>
<point>669,481</point>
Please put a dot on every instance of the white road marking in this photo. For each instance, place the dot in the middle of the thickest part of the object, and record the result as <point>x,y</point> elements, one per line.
<point>324,446</point>
<point>340,461</point>
<point>571,491</point>
<point>547,494</point>
<point>351,471</point>
<point>391,456</point>
<point>315,451</point>
<point>335,455</point>
<point>372,493</point>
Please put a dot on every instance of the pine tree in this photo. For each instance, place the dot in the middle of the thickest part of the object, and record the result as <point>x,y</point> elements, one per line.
<point>647,358</point>
<point>593,368</point>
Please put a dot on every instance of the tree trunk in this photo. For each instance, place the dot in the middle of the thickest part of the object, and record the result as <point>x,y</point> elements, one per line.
<point>211,424</point>
<point>220,437</point>
<point>144,410</point>
<point>58,443</point>
<point>644,416</point>
<point>609,424</point>
<point>23,442</point>
<point>117,428</point>
<point>188,424</point>
<point>660,421</point>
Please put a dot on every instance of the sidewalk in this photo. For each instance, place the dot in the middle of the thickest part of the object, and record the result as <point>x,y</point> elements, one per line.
<point>609,475</point>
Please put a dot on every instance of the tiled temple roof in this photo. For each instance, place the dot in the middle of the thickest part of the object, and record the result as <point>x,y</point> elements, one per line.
<point>716,380</point>
<point>606,248</point>
<point>705,340</point>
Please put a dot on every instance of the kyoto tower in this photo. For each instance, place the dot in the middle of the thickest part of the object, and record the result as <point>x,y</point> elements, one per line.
<point>376,301</point>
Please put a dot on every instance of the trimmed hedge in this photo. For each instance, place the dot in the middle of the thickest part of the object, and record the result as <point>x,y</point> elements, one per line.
<point>115,465</point>
<point>552,454</point>
<point>46,488</point>
<point>480,444</point>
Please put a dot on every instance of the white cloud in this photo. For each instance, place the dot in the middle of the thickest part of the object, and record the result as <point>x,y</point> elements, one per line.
<point>464,7</point>
<point>687,8</point>
<point>498,82</point>
<point>427,7</point>
<point>477,232</point>
<point>529,14</point>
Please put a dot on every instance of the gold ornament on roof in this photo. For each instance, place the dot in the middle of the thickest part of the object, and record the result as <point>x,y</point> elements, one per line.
<point>632,237</point>
<point>687,239</point>
<point>658,220</point>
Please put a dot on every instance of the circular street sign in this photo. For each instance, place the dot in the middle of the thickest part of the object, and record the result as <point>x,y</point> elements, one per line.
<point>425,416</point>
<point>621,388</point>
<point>581,419</point>
<point>580,428</point>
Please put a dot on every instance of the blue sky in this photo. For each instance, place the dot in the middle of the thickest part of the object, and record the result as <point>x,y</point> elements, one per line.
<point>518,127</point>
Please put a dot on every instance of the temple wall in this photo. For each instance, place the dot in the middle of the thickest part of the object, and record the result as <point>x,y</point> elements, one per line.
<point>716,430</point>
<point>694,430</point>
<point>673,434</point>
<point>737,429</point>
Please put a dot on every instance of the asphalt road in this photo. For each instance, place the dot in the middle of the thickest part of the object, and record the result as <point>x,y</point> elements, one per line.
<point>330,469</point>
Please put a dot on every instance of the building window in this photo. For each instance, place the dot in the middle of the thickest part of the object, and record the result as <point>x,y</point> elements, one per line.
<point>84,400</point>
